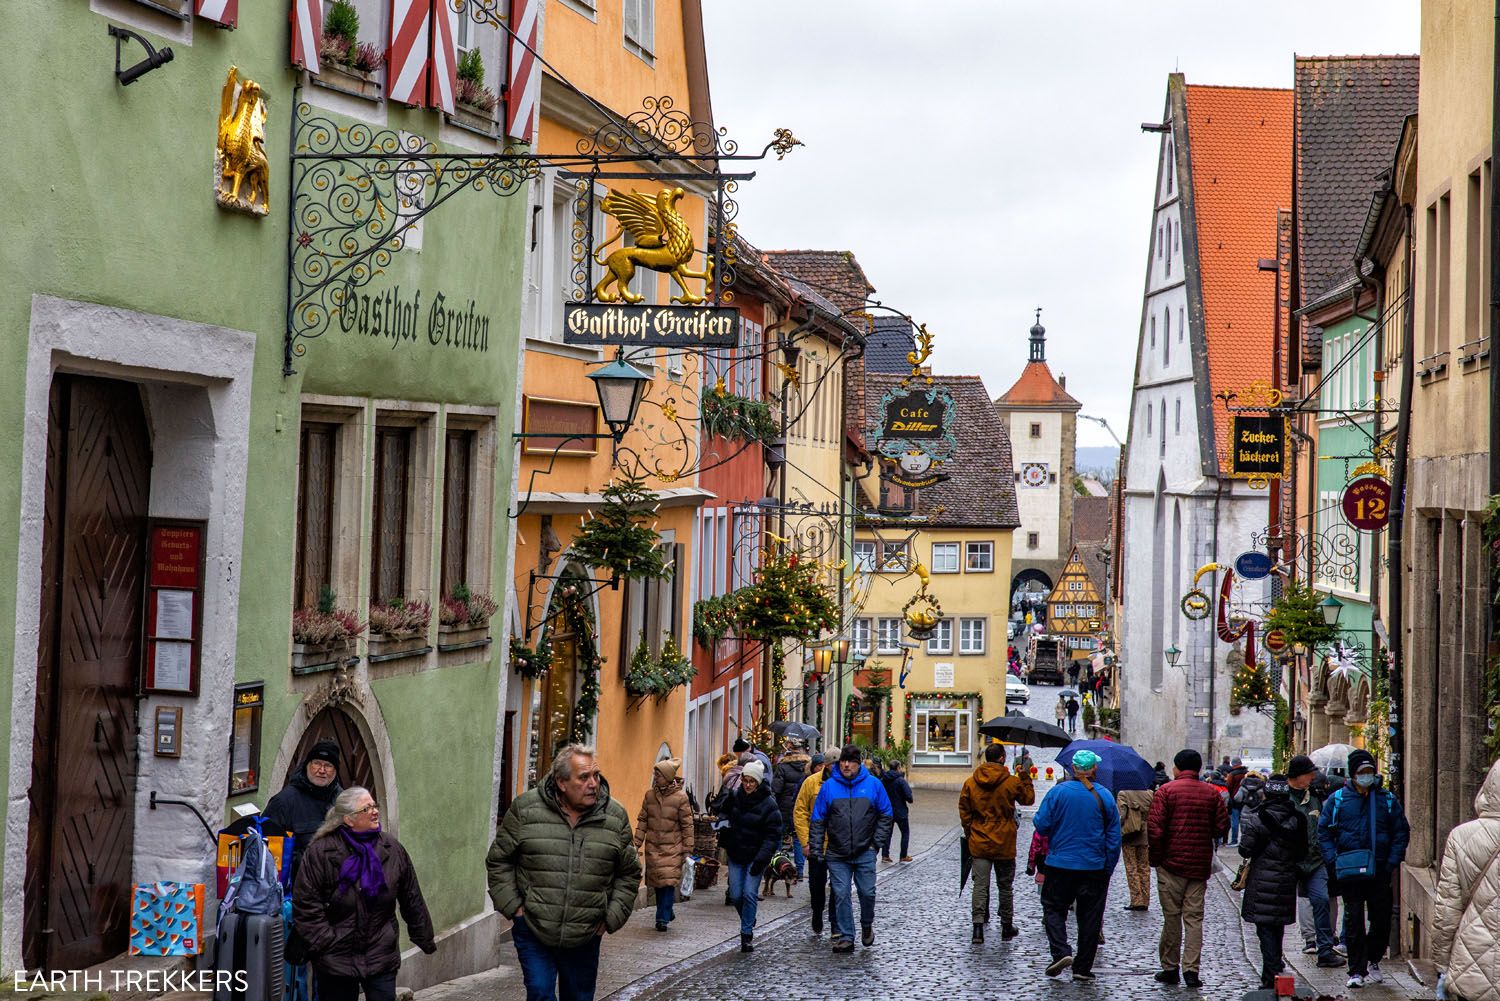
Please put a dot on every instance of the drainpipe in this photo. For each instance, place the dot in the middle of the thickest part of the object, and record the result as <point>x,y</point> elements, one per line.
<point>1494,327</point>
<point>1213,640</point>
<point>1396,529</point>
<point>1377,376</point>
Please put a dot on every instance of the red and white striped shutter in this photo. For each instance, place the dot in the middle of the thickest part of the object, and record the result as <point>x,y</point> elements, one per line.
<point>406,67</point>
<point>444,72</point>
<point>307,32</point>
<point>524,81</point>
<point>224,13</point>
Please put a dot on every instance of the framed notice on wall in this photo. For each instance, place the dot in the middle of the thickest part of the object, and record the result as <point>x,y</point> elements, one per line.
<point>174,607</point>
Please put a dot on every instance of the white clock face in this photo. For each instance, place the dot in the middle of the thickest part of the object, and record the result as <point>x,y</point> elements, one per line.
<point>1034,474</point>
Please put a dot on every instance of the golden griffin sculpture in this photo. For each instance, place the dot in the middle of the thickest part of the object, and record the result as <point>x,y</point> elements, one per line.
<point>663,242</point>
<point>240,161</point>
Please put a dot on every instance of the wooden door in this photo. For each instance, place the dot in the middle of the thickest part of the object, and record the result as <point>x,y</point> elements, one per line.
<point>82,795</point>
<point>355,766</point>
<point>559,692</point>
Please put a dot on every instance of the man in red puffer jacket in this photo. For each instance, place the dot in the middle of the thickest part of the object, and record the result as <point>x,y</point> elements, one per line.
<point>1186,817</point>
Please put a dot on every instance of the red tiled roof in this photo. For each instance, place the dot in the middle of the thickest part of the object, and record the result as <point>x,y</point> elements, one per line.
<point>1036,386</point>
<point>834,274</point>
<point>1240,144</point>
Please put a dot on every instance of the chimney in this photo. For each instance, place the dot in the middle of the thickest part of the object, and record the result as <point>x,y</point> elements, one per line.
<point>1062,380</point>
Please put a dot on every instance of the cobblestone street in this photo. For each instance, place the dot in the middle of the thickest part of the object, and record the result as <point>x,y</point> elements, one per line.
<point>922,950</point>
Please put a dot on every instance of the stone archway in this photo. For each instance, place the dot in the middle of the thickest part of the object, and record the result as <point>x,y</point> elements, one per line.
<point>1030,582</point>
<point>356,767</point>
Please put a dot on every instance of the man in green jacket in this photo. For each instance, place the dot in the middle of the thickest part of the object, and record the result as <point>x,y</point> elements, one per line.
<point>564,868</point>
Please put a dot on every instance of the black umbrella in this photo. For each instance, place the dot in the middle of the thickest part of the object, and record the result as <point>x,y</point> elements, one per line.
<point>965,862</point>
<point>796,731</point>
<point>1025,730</point>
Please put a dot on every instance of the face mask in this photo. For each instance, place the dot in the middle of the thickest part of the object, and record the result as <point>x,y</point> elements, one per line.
<point>1365,780</point>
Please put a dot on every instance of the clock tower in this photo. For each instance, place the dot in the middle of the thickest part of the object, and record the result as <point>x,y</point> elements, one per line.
<point>1043,423</point>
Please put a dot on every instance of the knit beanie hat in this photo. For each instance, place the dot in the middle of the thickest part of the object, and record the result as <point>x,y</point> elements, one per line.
<point>754,770</point>
<point>1300,765</point>
<point>667,769</point>
<point>850,753</point>
<point>741,745</point>
<point>1276,786</point>
<point>324,750</point>
<point>1360,758</point>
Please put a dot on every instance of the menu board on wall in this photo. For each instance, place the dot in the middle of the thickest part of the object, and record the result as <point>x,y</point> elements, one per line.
<point>174,607</point>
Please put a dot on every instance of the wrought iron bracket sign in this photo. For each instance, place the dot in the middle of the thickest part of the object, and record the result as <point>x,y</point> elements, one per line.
<point>916,422</point>
<point>1366,503</point>
<point>356,191</point>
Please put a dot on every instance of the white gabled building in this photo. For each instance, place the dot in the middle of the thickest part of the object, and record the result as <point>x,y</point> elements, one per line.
<point>1224,169</point>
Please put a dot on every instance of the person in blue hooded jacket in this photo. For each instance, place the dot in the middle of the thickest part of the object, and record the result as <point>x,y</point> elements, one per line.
<point>853,813</point>
<point>1082,825</point>
<point>1344,826</point>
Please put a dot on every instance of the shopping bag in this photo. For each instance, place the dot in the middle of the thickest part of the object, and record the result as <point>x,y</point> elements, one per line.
<point>685,887</point>
<point>230,845</point>
<point>166,919</point>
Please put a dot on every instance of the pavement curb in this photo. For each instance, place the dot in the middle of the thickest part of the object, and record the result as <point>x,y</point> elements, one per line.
<point>802,915</point>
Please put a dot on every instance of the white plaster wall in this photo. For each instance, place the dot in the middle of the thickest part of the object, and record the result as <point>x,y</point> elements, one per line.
<point>199,411</point>
<point>1038,506</point>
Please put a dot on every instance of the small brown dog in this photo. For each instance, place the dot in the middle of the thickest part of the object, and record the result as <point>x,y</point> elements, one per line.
<point>782,869</point>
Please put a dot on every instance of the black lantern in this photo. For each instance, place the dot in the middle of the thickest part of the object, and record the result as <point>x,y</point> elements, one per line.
<point>620,386</point>
<point>1330,607</point>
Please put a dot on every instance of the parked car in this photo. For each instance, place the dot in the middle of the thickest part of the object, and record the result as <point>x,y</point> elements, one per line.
<point>1016,691</point>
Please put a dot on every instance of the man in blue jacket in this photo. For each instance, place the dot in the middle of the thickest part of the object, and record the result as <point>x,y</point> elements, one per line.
<point>1344,827</point>
<point>853,812</point>
<point>1082,824</point>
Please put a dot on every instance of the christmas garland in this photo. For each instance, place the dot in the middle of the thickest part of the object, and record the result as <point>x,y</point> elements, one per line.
<point>714,617</point>
<point>786,601</point>
<point>730,415</point>
<point>1300,619</point>
<point>579,619</point>
<point>658,676</point>
<point>528,662</point>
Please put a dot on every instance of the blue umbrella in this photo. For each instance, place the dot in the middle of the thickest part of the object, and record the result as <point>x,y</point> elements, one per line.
<point>1120,767</point>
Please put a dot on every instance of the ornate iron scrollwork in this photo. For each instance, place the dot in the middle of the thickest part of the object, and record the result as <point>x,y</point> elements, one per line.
<point>356,193</point>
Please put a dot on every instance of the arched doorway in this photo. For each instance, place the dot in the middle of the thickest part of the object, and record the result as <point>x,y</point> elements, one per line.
<point>569,629</point>
<point>356,767</point>
<point>1029,590</point>
<point>81,833</point>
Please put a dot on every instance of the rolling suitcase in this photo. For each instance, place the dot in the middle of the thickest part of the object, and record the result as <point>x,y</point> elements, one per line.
<point>249,961</point>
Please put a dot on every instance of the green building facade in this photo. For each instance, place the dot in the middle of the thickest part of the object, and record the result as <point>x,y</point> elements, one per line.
<point>173,494</point>
<point>1347,566</point>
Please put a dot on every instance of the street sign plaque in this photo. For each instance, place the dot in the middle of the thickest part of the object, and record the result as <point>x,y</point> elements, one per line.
<point>1253,565</point>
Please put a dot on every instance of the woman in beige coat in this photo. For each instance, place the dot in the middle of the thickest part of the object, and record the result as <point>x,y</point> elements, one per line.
<point>1466,914</point>
<point>665,828</point>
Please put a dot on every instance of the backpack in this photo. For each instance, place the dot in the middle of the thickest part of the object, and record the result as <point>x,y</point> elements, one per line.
<point>255,887</point>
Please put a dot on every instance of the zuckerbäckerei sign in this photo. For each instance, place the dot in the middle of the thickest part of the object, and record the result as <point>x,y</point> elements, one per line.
<point>651,326</point>
<point>1257,446</point>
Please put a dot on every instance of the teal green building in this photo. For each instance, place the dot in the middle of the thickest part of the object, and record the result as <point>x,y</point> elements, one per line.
<point>181,477</point>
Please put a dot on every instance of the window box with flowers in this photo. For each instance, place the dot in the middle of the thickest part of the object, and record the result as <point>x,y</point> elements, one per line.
<point>346,64</point>
<point>399,629</point>
<point>464,618</point>
<point>474,103</point>
<point>323,637</point>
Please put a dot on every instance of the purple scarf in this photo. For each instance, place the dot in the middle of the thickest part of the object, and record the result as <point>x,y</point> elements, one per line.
<point>362,868</point>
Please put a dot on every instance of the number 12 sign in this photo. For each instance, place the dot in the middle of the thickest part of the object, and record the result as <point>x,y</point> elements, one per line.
<point>1367,503</point>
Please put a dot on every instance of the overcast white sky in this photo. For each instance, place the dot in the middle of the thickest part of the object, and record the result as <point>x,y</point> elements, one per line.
<point>984,157</point>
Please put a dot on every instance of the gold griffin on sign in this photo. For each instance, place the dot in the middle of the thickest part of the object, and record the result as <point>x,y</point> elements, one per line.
<point>663,242</point>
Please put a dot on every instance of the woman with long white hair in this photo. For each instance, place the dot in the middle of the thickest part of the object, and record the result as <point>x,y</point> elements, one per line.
<point>353,878</point>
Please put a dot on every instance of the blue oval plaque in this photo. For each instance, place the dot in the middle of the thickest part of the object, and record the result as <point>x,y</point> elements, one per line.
<point>1253,565</point>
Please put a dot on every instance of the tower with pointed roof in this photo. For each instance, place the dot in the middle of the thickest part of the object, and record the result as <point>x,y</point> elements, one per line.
<point>1043,423</point>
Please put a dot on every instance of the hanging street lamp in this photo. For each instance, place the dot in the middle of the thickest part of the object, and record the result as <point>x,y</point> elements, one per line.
<point>1173,655</point>
<point>1330,607</point>
<point>620,386</point>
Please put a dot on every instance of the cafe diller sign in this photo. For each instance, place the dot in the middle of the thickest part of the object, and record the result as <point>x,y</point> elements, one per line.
<point>916,423</point>
<point>1257,447</point>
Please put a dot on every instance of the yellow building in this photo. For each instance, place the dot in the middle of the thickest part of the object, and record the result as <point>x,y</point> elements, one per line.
<point>937,692</point>
<point>611,68</point>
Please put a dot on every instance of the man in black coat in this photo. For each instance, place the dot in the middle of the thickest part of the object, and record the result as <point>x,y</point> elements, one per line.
<point>303,802</point>
<point>1273,837</point>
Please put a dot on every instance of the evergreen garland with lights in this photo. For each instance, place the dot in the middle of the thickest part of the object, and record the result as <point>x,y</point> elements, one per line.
<point>1300,619</point>
<point>579,620</point>
<point>786,601</point>
<point>621,536</point>
<point>529,662</point>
